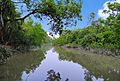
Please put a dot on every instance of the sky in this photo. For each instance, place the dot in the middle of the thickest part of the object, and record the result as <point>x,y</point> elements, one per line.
<point>88,6</point>
<point>96,6</point>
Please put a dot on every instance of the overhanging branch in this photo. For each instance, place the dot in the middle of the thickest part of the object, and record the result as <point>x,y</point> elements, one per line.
<point>17,2</point>
<point>23,18</point>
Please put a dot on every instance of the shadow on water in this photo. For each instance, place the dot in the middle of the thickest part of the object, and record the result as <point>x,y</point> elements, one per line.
<point>58,64</point>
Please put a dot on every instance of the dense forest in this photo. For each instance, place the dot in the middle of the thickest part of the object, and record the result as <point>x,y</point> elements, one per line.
<point>18,28</point>
<point>99,34</point>
<point>15,29</point>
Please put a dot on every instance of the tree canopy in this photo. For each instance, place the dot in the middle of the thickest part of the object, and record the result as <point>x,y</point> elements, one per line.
<point>60,13</point>
<point>100,34</point>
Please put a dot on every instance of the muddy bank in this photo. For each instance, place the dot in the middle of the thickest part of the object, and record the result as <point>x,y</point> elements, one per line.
<point>108,52</point>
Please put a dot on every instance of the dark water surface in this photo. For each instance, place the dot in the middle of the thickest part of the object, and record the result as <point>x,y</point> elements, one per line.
<point>60,64</point>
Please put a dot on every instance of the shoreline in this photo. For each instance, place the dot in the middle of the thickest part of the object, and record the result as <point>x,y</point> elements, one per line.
<point>7,51</point>
<point>99,51</point>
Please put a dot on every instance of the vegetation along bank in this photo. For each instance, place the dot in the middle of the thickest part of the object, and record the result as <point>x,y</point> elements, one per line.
<point>101,36</point>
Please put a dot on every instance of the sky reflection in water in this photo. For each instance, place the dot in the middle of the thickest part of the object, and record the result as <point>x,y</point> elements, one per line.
<point>68,70</point>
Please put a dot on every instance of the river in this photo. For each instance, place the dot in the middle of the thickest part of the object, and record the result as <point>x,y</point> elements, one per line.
<point>60,64</point>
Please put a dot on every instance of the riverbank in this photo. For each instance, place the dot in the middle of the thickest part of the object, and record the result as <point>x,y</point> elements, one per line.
<point>100,51</point>
<point>7,51</point>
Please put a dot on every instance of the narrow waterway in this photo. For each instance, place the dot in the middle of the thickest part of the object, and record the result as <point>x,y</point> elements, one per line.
<point>60,64</point>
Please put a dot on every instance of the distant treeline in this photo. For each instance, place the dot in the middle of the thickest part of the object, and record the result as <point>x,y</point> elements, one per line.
<point>100,34</point>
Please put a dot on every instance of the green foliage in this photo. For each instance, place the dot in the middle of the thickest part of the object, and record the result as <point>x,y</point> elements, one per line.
<point>60,13</point>
<point>34,35</point>
<point>9,29</point>
<point>101,33</point>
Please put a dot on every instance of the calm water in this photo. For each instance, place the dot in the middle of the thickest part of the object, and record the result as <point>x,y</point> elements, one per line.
<point>58,64</point>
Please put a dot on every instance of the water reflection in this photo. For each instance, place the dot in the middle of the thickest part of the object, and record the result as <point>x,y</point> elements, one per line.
<point>88,76</point>
<point>18,64</point>
<point>53,76</point>
<point>98,67</point>
<point>61,65</point>
<point>52,61</point>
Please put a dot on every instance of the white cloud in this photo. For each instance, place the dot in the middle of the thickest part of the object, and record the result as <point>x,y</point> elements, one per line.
<point>118,1</point>
<point>57,35</point>
<point>48,33</point>
<point>105,7</point>
<point>54,35</point>
<point>100,11</point>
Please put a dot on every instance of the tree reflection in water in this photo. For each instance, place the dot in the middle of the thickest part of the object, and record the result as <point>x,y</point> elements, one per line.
<point>98,67</point>
<point>88,76</point>
<point>53,76</point>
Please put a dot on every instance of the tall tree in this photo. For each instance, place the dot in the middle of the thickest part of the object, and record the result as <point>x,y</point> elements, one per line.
<point>60,13</point>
